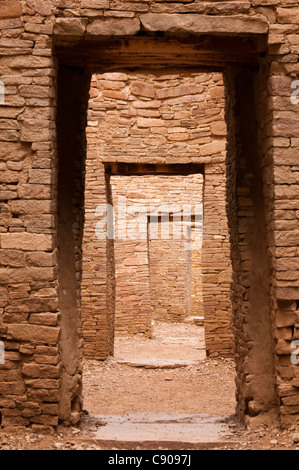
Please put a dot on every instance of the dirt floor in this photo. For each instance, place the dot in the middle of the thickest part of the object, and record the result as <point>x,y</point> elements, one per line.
<point>167,374</point>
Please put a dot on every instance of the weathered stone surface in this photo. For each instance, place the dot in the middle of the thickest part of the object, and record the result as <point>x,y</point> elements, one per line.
<point>219,128</point>
<point>118,76</point>
<point>97,4</point>
<point>267,171</point>
<point>16,275</point>
<point>160,126</point>
<point>143,89</point>
<point>182,90</point>
<point>40,371</point>
<point>201,24</point>
<point>13,258</point>
<point>115,95</point>
<point>287,293</point>
<point>42,7</point>
<point>31,207</point>
<point>11,9</point>
<point>288,15</point>
<point>113,27</point>
<point>69,27</point>
<point>34,305</point>
<point>33,333</point>
<point>213,148</point>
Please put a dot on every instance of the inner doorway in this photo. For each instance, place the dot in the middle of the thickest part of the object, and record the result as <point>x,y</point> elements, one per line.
<point>158,285</point>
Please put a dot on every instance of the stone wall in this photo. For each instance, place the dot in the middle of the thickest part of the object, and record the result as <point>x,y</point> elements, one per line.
<point>256,46</point>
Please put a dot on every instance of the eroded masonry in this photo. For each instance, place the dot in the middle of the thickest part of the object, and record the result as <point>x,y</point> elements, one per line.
<point>50,51</point>
<point>159,139</point>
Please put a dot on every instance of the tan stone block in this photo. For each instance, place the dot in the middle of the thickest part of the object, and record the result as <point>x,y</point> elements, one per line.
<point>44,395</point>
<point>50,360</point>
<point>42,7</point>
<point>34,305</point>
<point>285,156</point>
<point>287,293</point>
<point>45,420</point>
<point>95,4</point>
<point>12,258</point>
<point>295,383</point>
<point>12,388</point>
<point>30,91</point>
<point>139,88</point>
<point>42,259</point>
<point>288,15</point>
<point>27,350</point>
<point>219,128</point>
<point>201,24</point>
<point>284,333</point>
<point>188,99</point>
<point>287,238</point>
<point>50,409</point>
<point>115,95</point>
<point>31,207</point>
<point>178,136</point>
<point>111,85</point>
<point>291,401</point>
<point>47,350</point>
<point>118,76</point>
<point>38,176</point>
<point>148,122</point>
<point>285,128</point>
<point>33,333</point>
<point>286,264</point>
<point>20,62</point>
<point>31,133</point>
<point>11,9</point>
<point>283,347</point>
<point>48,384</point>
<point>214,147</point>
<point>38,28</point>
<point>45,319</point>
<point>35,191</point>
<point>30,413</point>
<point>147,104</point>
<point>26,241</point>
<point>114,27</point>
<point>10,376</point>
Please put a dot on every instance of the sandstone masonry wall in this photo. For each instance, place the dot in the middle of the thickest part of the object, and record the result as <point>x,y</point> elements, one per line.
<point>255,43</point>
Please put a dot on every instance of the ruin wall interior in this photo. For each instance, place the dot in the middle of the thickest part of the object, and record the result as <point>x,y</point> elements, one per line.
<point>48,51</point>
<point>153,264</point>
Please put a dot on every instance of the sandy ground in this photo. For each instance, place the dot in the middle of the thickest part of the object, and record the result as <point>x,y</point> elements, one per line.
<point>113,388</point>
<point>207,387</point>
